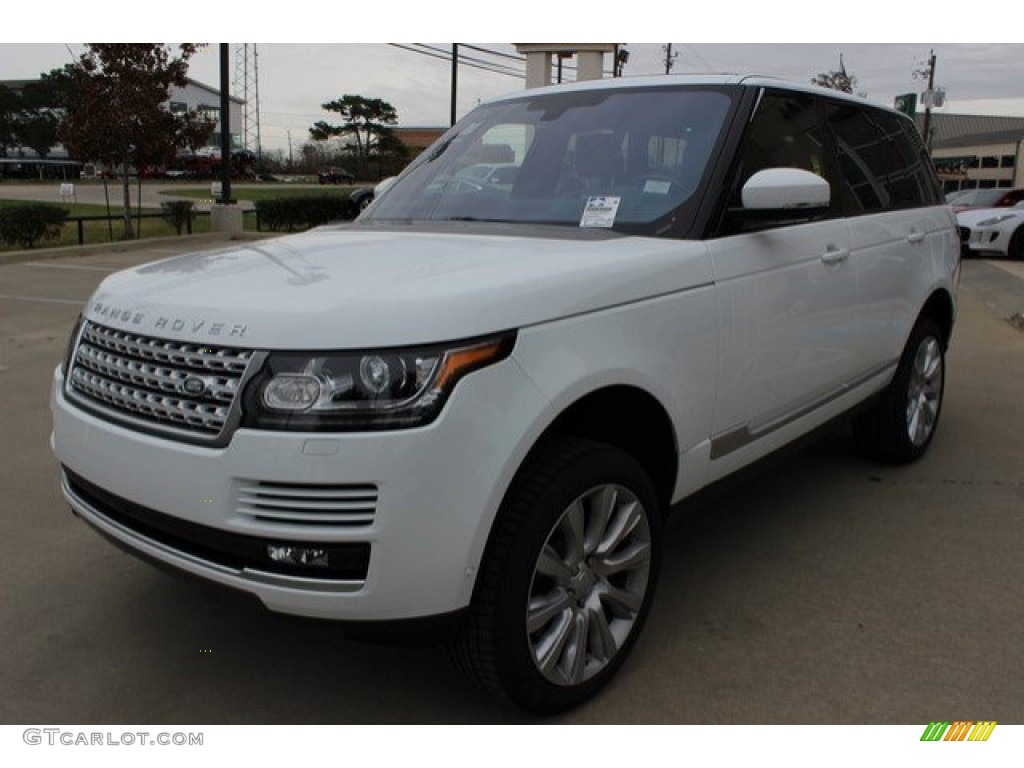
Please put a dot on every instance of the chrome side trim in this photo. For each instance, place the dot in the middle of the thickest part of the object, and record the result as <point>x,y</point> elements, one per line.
<point>740,437</point>
<point>299,582</point>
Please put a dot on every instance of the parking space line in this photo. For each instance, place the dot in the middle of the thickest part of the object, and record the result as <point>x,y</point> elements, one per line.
<point>81,267</point>
<point>76,302</point>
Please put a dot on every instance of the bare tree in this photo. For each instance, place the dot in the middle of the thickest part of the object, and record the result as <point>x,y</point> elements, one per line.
<point>837,80</point>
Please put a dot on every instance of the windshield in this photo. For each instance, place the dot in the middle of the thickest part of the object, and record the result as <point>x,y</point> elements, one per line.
<point>628,159</point>
<point>980,197</point>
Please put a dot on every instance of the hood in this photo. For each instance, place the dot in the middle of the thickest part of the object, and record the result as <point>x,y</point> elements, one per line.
<point>972,216</point>
<point>355,287</point>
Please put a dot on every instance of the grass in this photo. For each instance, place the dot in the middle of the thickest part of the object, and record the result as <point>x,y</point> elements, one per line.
<point>95,232</point>
<point>263,193</point>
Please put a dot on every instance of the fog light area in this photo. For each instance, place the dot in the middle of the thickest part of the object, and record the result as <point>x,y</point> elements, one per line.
<point>305,557</point>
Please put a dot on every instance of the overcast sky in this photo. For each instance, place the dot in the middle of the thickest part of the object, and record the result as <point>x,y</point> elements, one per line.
<point>296,78</point>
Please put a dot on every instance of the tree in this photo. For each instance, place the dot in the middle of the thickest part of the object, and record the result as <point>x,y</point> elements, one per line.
<point>120,115</point>
<point>43,105</point>
<point>366,123</point>
<point>10,106</point>
<point>837,80</point>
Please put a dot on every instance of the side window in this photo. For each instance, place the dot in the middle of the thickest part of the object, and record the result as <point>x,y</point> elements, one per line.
<point>863,184</point>
<point>785,132</point>
<point>912,180</point>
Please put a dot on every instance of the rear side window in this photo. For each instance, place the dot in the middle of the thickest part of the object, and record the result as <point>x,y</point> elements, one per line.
<point>882,160</point>
<point>912,180</point>
<point>864,183</point>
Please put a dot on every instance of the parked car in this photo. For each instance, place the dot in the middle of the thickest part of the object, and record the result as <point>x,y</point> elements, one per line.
<point>993,230</point>
<point>476,406</point>
<point>334,175</point>
<point>499,175</point>
<point>361,198</point>
<point>992,197</point>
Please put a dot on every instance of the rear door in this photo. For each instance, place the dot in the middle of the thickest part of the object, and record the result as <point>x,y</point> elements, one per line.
<point>900,227</point>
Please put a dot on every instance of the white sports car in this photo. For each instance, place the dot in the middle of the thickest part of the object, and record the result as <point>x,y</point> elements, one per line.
<point>998,230</point>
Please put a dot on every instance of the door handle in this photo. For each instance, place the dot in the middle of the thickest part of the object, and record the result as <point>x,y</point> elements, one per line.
<point>834,256</point>
<point>915,236</point>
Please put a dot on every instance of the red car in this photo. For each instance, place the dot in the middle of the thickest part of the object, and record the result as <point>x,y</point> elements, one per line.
<point>988,198</point>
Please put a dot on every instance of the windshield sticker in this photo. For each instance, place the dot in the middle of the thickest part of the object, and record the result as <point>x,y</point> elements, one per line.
<point>600,212</point>
<point>657,187</point>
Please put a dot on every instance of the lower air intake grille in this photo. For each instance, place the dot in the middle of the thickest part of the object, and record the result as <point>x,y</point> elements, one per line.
<point>308,504</point>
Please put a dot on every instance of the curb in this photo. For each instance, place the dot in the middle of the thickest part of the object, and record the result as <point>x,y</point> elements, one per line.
<point>71,251</point>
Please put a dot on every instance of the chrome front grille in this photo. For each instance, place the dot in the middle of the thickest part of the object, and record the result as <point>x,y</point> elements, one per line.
<point>174,387</point>
<point>350,505</point>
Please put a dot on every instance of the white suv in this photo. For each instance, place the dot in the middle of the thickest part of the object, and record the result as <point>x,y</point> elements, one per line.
<point>479,402</point>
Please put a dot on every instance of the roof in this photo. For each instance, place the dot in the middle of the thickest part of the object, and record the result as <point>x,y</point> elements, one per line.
<point>952,130</point>
<point>649,81</point>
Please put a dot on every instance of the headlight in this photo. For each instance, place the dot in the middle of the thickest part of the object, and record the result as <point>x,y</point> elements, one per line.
<point>377,389</point>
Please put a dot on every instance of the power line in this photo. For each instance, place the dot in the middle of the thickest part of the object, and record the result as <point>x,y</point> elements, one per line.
<point>445,56</point>
<point>504,69</point>
<point>519,58</point>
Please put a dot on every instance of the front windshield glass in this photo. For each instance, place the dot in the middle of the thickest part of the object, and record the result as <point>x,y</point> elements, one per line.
<point>628,159</point>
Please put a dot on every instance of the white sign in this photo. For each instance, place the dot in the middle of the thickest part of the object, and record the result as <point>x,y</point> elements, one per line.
<point>67,191</point>
<point>216,189</point>
<point>600,212</point>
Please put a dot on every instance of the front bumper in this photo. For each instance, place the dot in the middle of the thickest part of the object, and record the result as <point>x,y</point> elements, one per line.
<point>409,510</point>
<point>981,240</point>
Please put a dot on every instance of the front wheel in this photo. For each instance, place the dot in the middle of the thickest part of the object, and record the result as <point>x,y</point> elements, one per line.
<point>1015,249</point>
<point>567,579</point>
<point>900,426</point>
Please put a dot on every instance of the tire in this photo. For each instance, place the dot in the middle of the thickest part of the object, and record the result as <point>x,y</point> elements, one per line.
<point>900,426</point>
<point>567,579</point>
<point>1015,249</point>
<point>365,203</point>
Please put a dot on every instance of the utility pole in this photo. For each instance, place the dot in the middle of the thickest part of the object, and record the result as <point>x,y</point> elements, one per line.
<point>225,127</point>
<point>670,57</point>
<point>928,98</point>
<point>455,78</point>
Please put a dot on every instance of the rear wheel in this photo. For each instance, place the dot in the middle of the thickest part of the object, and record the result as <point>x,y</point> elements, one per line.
<point>568,577</point>
<point>900,426</point>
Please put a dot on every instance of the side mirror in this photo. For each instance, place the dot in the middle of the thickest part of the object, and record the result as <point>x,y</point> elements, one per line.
<point>778,189</point>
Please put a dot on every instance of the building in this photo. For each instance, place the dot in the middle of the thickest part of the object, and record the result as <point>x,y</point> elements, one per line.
<point>972,151</point>
<point>589,58</point>
<point>418,138</point>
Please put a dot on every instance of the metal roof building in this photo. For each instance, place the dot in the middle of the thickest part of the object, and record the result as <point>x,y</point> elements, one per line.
<point>977,150</point>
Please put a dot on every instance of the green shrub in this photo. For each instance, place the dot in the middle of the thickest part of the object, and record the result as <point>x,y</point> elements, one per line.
<point>177,213</point>
<point>25,224</point>
<point>291,213</point>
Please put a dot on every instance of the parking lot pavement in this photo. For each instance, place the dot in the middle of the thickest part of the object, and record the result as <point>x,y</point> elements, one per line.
<point>829,590</point>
